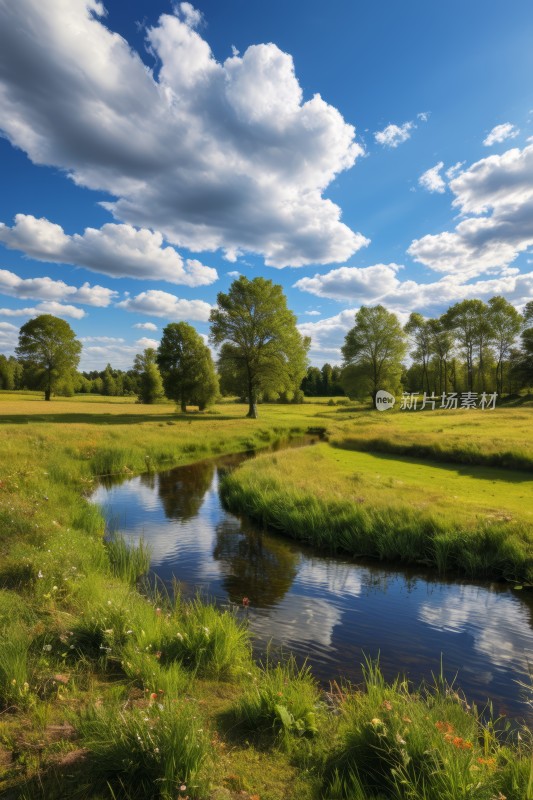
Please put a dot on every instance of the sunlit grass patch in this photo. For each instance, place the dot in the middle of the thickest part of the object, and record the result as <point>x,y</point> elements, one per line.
<point>476,521</point>
<point>279,702</point>
<point>394,742</point>
<point>144,752</point>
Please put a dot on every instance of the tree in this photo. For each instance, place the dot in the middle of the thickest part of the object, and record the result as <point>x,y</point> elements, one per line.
<point>149,378</point>
<point>373,350</point>
<point>419,329</point>
<point>186,367</point>
<point>470,323</point>
<point>262,350</point>
<point>50,350</point>
<point>506,324</point>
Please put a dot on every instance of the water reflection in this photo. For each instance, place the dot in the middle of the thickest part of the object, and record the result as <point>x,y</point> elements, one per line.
<point>254,566</point>
<point>333,611</point>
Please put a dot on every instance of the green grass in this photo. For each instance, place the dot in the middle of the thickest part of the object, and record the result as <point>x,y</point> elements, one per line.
<point>99,696</point>
<point>396,743</point>
<point>386,508</point>
<point>496,438</point>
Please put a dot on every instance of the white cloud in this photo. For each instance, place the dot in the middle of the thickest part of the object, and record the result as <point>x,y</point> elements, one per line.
<point>347,284</point>
<point>432,180</point>
<point>145,342</point>
<point>146,326</point>
<point>233,274</point>
<point>214,155</point>
<point>192,17</point>
<point>452,172</point>
<point>120,251</point>
<point>162,304</point>
<point>48,289</point>
<point>312,313</point>
<point>393,135</point>
<point>423,116</point>
<point>9,336</point>
<point>102,339</point>
<point>49,307</point>
<point>495,195</point>
<point>380,284</point>
<point>500,133</point>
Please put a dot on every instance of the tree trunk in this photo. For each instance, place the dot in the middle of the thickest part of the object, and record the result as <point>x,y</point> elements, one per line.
<point>252,400</point>
<point>183,407</point>
<point>47,393</point>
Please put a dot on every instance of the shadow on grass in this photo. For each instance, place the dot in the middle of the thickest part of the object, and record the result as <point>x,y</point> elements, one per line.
<point>113,419</point>
<point>507,466</point>
<point>481,472</point>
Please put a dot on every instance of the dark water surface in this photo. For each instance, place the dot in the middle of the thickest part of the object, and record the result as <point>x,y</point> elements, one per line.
<point>331,610</point>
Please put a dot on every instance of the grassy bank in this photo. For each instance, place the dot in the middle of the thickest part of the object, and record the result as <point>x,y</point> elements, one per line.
<point>106,693</point>
<point>497,438</point>
<point>472,520</point>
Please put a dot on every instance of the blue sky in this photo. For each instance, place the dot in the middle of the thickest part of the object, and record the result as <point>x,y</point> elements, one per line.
<point>356,153</point>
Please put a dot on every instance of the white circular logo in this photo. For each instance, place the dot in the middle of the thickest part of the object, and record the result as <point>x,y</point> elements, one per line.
<point>384,400</point>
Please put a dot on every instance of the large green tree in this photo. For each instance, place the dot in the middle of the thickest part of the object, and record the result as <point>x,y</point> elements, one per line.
<point>186,367</point>
<point>262,350</point>
<point>148,377</point>
<point>373,351</point>
<point>49,350</point>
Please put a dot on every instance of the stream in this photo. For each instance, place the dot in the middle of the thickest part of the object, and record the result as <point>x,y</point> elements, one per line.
<point>333,611</point>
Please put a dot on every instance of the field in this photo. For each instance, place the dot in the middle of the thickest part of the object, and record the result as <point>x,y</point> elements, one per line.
<point>109,693</point>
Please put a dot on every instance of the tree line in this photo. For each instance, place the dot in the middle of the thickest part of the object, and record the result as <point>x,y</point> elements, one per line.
<point>474,346</point>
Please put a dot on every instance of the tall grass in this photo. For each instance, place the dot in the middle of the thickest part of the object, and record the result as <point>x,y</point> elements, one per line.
<point>128,562</point>
<point>393,533</point>
<point>148,752</point>
<point>423,745</point>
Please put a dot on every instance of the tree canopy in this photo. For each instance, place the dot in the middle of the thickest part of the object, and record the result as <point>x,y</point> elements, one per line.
<point>49,349</point>
<point>373,350</point>
<point>262,351</point>
<point>149,378</point>
<point>186,367</point>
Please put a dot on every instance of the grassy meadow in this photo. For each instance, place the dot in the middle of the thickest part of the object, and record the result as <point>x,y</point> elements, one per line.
<point>107,692</point>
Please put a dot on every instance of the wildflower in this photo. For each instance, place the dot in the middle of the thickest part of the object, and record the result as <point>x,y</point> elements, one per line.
<point>47,647</point>
<point>40,574</point>
<point>376,721</point>
<point>444,727</point>
<point>158,611</point>
<point>386,705</point>
<point>153,696</point>
<point>246,602</point>
<point>179,636</point>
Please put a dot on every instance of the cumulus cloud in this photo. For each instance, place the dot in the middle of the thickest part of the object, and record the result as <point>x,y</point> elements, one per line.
<point>162,304</point>
<point>500,133</point>
<point>495,195</point>
<point>9,335</point>
<point>49,307</point>
<point>347,284</point>
<point>432,180</point>
<point>120,251</point>
<point>48,289</point>
<point>214,155</point>
<point>146,326</point>
<point>381,284</point>
<point>393,135</point>
<point>145,342</point>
